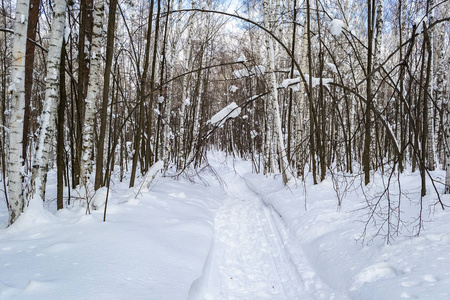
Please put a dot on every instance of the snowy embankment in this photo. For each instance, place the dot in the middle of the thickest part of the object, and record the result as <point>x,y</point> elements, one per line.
<point>150,247</point>
<point>329,238</point>
<point>248,238</point>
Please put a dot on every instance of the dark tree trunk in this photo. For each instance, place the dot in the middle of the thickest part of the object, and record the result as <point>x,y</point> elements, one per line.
<point>142,98</point>
<point>60,133</point>
<point>33,17</point>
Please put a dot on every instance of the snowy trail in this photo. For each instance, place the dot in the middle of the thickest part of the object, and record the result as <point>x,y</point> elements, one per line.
<point>247,259</point>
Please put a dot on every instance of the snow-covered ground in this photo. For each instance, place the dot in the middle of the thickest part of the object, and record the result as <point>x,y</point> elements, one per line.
<point>244,236</point>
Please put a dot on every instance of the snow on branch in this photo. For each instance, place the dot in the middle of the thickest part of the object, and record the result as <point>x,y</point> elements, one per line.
<point>254,71</point>
<point>230,111</point>
<point>336,27</point>
<point>294,83</point>
<point>241,59</point>
<point>233,89</point>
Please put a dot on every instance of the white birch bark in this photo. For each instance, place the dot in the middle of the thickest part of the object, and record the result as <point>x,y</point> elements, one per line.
<point>266,137</point>
<point>442,66</point>
<point>431,147</point>
<point>168,137</point>
<point>301,105</point>
<point>447,134</point>
<point>185,93</point>
<point>197,114</point>
<point>268,108</point>
<point>376,77</point>
<point>92,92</point>
<point>47,120</point>
<point>204,57</point>
<point>378,40</point>
<point>15,169</point>
<point>284,166</point>
<point>184,99</point>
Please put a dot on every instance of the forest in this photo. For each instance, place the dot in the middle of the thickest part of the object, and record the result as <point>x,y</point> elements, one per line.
<point>224,149</point>
<point>315,88</point>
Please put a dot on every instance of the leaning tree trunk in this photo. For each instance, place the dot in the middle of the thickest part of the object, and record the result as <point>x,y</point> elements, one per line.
<point>15,172</point>
<point>46,129</point>
<point>93,90</point>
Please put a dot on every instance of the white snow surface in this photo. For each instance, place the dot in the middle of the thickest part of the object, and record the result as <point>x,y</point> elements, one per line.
<point>241,58</point>
<point>246,237</point>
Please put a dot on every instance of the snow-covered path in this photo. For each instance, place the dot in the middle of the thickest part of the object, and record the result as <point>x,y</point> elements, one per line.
<point>248,258</point>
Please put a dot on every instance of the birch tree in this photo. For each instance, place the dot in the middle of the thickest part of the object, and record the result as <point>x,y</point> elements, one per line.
<point>47,120</point>
<point>167,134</point>
<point>369,95</point>
<point>284,165</point>
<point>93,90</point>
<point>186,63</point>
<point>17,89</point>
<point>431,146</point>
<point>447,133</point>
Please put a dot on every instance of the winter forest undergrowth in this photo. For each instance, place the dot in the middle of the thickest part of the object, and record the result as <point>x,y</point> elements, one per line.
<point>229,149</point>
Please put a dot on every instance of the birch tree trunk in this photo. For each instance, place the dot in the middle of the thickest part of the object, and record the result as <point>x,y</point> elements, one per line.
<point>301,108</point>
<point>429,97</point>
<point>447,134</point>
<point>376,77</point>
<point>442,66</point>
<point>85,39</point>
<point>367,117</point>
<point>15,170</point>
<point>47,124</point>
<point>168,136</point>
<point>185,98</point>
<point>93,90</point>
<point>284,166</point>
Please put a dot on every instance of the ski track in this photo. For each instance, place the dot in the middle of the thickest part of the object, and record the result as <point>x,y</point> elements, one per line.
<point>248,259</point>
